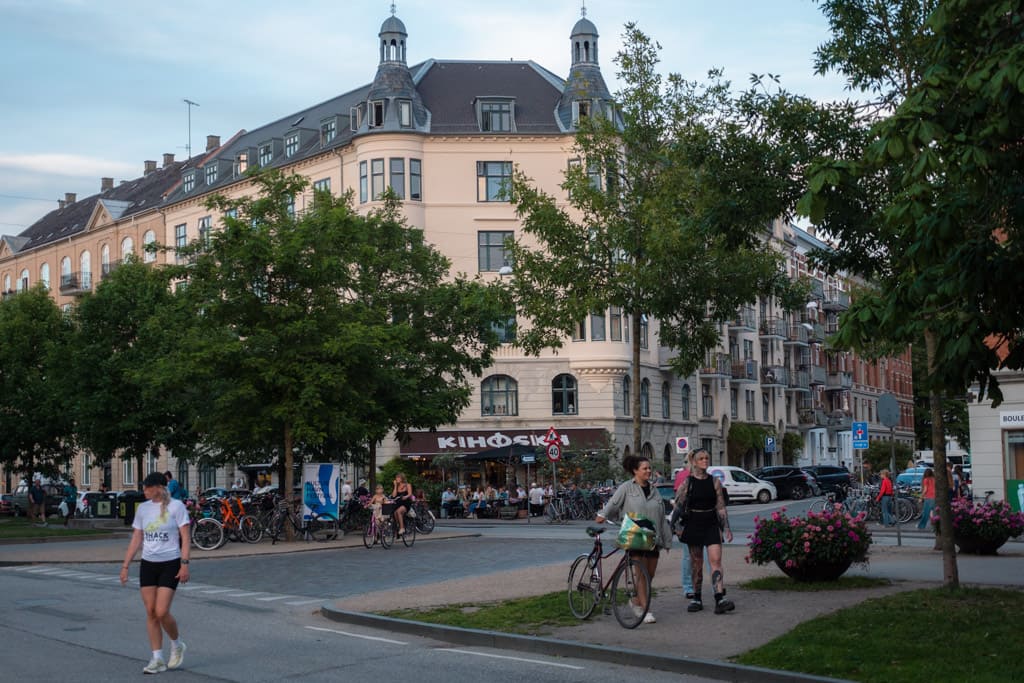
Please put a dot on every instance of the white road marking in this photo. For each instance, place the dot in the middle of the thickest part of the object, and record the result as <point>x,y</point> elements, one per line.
<point>304,602</point>
<point>358,635</point>
<point>243,595</point>
<point>219,590</point>
<point>516,659</point>
<point>274,597</point>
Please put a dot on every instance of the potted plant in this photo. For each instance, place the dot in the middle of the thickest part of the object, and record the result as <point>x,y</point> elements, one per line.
<point>981,529</point>
<point>818,547</point>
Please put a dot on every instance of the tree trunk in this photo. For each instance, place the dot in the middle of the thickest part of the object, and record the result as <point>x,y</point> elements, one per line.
<point>635,372</point>
<point>371,476</point>
<point>289,477</point>
<point>950,573</point>
<point>139,474</point>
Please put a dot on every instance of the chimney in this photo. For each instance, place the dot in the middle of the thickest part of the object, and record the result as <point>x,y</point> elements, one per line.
<point>106,184</point>
<point>168,159</point>
<point>212,142</point>
<point>148,167</point>
<point>69,197</point>
<point>60,204</point>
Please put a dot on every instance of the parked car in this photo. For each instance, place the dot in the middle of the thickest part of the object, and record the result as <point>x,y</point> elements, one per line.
<point>6,503</point>
<point>54,495</point>
<point>791,481</point>
<point>221,492</point>
<point>911,478</point>
<point>742,486</point>
<point>830,477</point>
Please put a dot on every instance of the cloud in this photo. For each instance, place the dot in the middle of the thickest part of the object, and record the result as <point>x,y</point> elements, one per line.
<point>73,165</point>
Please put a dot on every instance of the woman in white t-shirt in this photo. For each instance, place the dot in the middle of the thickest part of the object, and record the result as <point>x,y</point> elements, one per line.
<point>161,528</point>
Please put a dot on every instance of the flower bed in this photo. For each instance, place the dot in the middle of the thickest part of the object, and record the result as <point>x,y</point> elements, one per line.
<point>818,547</point>
<point>982,529</point>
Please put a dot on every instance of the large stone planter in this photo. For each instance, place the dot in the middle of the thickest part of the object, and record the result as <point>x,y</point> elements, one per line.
<point>815,571</point>
<point>972,545</point>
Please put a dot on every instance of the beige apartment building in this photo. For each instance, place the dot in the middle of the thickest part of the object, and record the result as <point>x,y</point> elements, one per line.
<point>445,136</point>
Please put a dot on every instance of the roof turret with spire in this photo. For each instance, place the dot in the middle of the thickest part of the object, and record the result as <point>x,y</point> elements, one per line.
<point>393,102</point>
<point>585,92</point>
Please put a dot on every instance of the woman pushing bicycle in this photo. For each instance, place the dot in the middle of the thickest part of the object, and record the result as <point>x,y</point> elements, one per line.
<point>638,497</point>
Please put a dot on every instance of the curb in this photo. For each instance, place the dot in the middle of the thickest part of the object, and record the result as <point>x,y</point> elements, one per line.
<point>707,668</point>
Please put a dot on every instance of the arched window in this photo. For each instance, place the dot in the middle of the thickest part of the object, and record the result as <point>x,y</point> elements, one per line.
<point>563,395</point>
<point>499,395</point>
<point>148,239</point>
<point>105,260</point>
<point>7,283</point>
<point>645,398</point>
<point>686,402</point>
<point>127,248</point>
<point>627,400</point>
<point>666,400</point>
<point>23,280</point>
<point>85,267</point>
<point>44,275</point>
<point>183,473</point>
<point>66,279</point>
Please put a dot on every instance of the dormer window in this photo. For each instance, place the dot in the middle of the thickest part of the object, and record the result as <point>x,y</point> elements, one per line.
<point>405,113</point>
<point>355,117</point>
<point>328,130</point>
<point>266,154</point>
<point>580,110</point>
<point>496,115</point>
<point>188,182</point>
<point>376,113</point>
<point>241,163</point>
<point>211,174</point>
<point>291,145</point>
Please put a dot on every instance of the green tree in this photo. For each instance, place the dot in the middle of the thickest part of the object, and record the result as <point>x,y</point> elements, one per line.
<point>926,202</point>
<point>112,339</point>
<point>329,327</point>
<point>667,218</point>
<point>36,428</point>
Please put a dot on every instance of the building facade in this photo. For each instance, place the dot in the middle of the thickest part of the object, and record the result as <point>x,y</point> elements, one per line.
<point>445,136</point>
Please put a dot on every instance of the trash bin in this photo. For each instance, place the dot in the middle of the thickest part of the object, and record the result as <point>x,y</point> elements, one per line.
<point>127,505</point>
<point>102,505</point>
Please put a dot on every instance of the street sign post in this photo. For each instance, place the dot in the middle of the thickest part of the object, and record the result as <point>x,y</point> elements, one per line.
<point>682,445</point>
<point>554,452</point>
<point>769,444</point>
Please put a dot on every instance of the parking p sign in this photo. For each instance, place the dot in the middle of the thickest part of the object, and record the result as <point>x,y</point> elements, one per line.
<point>769,444</point>
<point>682,445</point>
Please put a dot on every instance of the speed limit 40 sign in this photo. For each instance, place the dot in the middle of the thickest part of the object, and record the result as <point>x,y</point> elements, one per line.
<point>554,452</point>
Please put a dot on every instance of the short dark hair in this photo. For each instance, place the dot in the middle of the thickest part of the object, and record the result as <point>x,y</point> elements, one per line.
<point>168,475</point>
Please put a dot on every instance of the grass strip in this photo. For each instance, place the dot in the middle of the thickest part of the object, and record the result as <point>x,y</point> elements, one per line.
<point>784,583</point>
<point>528,616</point>
<point>21,528</point>
<point>971,634</point>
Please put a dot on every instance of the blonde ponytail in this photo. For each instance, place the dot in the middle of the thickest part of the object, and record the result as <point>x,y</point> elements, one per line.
<point>165,499</point>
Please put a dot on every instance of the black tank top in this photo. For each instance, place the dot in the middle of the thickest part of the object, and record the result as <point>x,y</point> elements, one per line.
<point>702,493</point>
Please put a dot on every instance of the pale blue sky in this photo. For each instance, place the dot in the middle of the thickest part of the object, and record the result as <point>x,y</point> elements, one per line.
<point>91,88</point>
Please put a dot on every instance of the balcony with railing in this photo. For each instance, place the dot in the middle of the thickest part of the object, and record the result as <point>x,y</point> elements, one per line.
<point>717,365</point>
<point>818,375</point>
<point>7,295</point>
<point>745,320</point>
<point>76,283</point>
<point>808,418</point>
<point>107,269</point>
<point>745,371</point>
<point>799,381</point>
<point>774,376</point>
<point>839,420</point>
<point>773,328</point>
<point>835,300</point>
<point>796,335</point>
<point>831,327</point>
<point>838,381</point>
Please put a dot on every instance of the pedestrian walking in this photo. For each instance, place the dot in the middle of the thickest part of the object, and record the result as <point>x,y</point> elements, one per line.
<point>885,494</point>
<point>161,529</point>
<point>706,522</point>
<point>70,500</point>
<point>640,498</point>
<point>927,497</point>
<point>37,502</point>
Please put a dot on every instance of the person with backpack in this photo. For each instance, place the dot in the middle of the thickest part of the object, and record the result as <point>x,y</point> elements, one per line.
<point>174,487</point>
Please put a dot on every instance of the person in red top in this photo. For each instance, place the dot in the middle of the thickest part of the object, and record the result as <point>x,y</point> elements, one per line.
<point>885,492</point>
<point>927,497</point>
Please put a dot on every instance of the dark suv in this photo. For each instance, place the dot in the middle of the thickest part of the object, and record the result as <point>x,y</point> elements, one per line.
<point>830,477</point>
<point>791,482</point>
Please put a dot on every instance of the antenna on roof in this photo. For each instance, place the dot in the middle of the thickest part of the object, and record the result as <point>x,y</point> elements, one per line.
<point>190,104</point>
<point>393,9</point>
<point>583,8</point>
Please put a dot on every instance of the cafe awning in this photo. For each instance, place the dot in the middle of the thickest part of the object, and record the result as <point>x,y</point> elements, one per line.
<point>504,454</point>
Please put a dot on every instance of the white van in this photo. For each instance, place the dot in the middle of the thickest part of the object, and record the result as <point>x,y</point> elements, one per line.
<point>742,485</point>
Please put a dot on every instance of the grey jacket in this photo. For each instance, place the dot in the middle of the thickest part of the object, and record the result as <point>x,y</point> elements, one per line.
<point>629,498</point>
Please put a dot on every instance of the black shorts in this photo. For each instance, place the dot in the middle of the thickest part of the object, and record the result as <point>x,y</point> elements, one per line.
<point>160,574</point>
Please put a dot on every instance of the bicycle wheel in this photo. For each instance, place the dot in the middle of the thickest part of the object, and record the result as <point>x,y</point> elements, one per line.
<point>250,529</point>
<point>276,527</point>
<point>387,532</point>
<point>425,521</point>
<point>818,506</point>
<point>207,534</point>
<point>370,534</point>
<point>409,537</point>
<point>903,509</point>
<point>631,586</point>
<point>584,585</point>
<point>323,527</point>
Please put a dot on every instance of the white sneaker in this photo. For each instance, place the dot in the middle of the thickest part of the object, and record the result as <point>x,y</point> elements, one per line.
<point>637,610</point>
<point>155,666</point>
<point>177,655</point>
<point>649,618</point>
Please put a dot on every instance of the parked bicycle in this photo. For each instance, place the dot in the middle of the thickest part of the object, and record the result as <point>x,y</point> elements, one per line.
<point>319,526</point>
<point>628,589</point>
